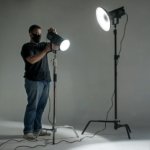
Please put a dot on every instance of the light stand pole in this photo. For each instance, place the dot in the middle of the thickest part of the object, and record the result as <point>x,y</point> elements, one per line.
<point>115,21</point>
<point>116,58</point>
<point>54,95</point>
<point>54,128</point>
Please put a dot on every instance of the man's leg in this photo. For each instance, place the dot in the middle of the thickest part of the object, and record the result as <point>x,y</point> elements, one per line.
<point>41,106</point>
<point>34,91</point>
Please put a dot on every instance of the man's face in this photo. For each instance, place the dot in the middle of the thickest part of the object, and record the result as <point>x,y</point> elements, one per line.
<point>35,35</point>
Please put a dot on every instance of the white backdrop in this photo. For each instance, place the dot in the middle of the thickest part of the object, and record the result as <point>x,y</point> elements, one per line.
<point>85,71</point>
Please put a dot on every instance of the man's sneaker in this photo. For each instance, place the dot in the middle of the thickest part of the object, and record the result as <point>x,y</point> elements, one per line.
<point>41,133</point>
<point>29,136</point>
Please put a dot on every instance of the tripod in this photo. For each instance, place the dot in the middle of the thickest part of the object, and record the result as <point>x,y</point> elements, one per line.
<point>116,57</point>
<point>54,128</point>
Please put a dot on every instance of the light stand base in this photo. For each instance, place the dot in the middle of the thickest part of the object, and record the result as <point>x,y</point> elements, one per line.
<point>65,126</point>
<point>116,125</point>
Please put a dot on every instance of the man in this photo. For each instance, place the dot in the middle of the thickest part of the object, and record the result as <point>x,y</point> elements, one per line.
<point>37,81</point>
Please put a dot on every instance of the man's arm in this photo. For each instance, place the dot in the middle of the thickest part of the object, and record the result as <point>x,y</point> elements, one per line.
<point>38,57</point>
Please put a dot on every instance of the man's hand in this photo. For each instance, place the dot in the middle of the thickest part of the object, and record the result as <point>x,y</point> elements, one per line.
<point>48,48</point>
<point>52,30</point>
<point>37,57</point>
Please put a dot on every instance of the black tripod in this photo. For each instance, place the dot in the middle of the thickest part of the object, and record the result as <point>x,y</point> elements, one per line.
<point>54,95</point>
<point>116,57</point>
<point>54,128</point>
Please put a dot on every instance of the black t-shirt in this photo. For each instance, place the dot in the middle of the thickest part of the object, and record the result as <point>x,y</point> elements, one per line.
<point>38,71</point>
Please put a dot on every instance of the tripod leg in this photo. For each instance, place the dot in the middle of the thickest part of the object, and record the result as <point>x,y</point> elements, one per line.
<point>127,129</point>
<point>127,126</point>
<point>86,127</point>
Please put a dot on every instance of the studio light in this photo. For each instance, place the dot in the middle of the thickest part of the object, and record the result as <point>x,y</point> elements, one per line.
<point>57,43</point>
<point>65,44</point>
<point>104,17</point>
<point>58,40</point>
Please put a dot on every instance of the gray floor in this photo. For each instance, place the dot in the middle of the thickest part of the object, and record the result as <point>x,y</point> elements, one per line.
<point>110,139</point>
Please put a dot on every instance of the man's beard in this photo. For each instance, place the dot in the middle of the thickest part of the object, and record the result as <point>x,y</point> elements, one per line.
<point>36,38</point>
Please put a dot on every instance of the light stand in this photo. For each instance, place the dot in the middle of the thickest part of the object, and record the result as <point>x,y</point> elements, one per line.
<point>54,128</point>
<point>57,44</point>
<point>54,95</point>
<point>115,21</point>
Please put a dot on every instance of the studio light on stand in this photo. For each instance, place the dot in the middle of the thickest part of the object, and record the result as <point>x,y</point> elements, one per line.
<point>105,19</point>
<point>61,44</point>
<point>57,44</point>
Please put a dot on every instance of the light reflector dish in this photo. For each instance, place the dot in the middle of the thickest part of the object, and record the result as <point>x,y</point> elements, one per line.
<point>103,19</point>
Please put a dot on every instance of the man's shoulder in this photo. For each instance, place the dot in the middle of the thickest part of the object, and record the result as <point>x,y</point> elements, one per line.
<point>28,44</point>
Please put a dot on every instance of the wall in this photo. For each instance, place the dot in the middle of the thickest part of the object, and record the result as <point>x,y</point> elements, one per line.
<point>85,71</point>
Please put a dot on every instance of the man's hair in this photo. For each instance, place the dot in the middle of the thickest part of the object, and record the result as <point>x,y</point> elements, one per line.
<point>32,27</point>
